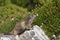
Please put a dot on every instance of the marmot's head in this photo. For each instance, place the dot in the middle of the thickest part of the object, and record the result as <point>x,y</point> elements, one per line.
<point>32,17</point>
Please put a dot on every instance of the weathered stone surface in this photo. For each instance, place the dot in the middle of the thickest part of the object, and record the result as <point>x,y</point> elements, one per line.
<point>35,34</point>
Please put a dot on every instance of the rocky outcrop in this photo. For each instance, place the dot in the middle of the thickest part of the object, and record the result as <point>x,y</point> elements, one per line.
<point>35,34</point>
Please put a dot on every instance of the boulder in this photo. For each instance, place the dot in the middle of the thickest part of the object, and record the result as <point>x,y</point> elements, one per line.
<point>34,34</point>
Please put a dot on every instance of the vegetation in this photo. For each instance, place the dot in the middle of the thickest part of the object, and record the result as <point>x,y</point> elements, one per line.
<point>49,16</point>
<point>9,15</point>
<point>12,11</point>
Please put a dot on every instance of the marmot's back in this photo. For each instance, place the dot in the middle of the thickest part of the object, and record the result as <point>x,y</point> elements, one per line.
<point>23,25</point>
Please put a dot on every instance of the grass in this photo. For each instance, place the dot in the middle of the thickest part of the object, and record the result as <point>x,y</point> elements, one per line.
<point>9,15</point>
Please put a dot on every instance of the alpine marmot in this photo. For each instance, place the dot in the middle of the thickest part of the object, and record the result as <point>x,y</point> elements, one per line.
<point>23,25</point>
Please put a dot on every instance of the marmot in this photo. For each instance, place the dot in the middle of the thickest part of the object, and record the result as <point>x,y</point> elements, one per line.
<point>23,25</point>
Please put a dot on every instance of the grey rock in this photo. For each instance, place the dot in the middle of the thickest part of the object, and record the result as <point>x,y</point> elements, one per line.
<point>35,34</point>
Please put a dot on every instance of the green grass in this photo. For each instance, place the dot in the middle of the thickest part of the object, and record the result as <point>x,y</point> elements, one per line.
<point>49,15</point>
<point>9,15</point>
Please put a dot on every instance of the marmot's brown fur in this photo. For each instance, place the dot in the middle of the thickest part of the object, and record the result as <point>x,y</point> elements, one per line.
<point>23,25</point>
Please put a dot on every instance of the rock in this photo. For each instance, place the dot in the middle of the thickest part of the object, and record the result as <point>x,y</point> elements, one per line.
<point>53,37</point>
<point>35,34</point>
